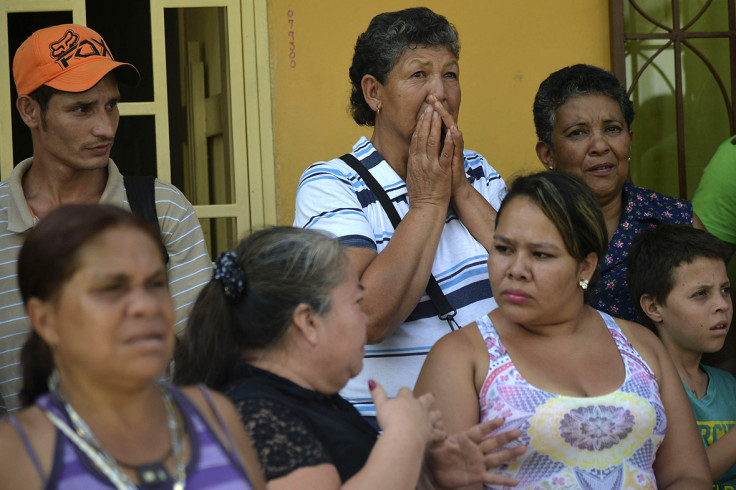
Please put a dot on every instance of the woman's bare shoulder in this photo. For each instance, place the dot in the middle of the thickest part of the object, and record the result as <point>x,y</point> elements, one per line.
<point>228,415</point>
<point>34,423</point>
<point>460,351</point>
<point>464,340</point>
<point>201,396</point>
<point>646,343</point>
<point>639,333</point>
<point>16,466</point>
<point>215,407</point>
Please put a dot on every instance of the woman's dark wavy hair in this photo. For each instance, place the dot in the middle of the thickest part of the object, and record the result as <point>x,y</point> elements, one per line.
<point>574,81</point>
<point>571,207</point>
<point>283,268</point>
<point>49,258</point>
<point>379,48</point>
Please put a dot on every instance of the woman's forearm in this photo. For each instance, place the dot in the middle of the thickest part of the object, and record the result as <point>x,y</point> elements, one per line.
<point>395,279</point>
<point>476,214</point>
<point>394,462</point>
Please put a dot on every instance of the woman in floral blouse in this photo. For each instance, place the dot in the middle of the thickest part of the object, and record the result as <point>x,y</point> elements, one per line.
<point>583,118</point>
<point>598,402</point>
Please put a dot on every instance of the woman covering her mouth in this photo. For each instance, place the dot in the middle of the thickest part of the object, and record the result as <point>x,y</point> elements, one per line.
<point>405,78</point>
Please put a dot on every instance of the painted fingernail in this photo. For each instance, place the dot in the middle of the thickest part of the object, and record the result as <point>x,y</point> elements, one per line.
<point>371,384</point>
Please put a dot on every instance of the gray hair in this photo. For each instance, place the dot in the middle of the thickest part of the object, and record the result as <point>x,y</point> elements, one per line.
<point>379,48</point>
<point>574,81</point>
<point>283,268</point>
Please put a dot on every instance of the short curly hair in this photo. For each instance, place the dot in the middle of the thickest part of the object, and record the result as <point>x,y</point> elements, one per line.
<point>574,81</point>
<point>379,48</point>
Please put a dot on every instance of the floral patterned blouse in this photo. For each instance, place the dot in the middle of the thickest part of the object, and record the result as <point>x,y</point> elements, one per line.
<point>608,441</point>
<point>643,210</point>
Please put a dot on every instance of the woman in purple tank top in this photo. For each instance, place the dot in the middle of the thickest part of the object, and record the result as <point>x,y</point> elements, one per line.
<point>94,283</point>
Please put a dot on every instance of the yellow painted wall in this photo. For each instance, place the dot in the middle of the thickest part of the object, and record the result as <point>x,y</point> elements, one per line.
<point>508,48</point>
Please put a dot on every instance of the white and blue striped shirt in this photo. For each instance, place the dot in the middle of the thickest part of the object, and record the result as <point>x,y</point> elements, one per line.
<point>333,198</point>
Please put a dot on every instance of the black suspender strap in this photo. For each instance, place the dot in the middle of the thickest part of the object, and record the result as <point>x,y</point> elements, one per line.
<point>375,187</point>
<point>445,311</point>
<point>142,200</point>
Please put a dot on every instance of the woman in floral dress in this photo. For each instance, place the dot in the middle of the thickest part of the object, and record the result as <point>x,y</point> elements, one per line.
<point>597,400</point>
<point>583,119</point>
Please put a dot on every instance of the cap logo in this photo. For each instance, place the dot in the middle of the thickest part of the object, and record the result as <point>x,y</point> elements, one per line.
<point>69,47</point>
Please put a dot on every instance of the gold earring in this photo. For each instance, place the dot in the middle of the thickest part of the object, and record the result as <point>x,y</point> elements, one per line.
<point>583,284</point>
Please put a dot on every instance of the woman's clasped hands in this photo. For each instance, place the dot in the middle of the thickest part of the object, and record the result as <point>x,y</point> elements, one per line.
<point>436,167</point>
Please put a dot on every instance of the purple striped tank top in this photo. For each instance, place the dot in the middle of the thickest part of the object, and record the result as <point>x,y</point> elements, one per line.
<point>210,465</point>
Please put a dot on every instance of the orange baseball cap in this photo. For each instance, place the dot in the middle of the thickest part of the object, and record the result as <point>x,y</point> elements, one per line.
<point>67,57</point>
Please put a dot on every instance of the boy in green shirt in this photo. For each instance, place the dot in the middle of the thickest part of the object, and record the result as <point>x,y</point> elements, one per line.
<point>677,278</point>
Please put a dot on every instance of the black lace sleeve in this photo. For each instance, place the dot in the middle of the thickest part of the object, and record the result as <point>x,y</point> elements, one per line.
<point>283,442</point>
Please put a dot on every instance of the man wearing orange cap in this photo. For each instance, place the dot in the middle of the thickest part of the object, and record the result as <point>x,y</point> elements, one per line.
<point>67,82</point>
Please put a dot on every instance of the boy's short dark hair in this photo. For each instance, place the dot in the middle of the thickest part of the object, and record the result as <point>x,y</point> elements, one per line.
<point>656,253</point>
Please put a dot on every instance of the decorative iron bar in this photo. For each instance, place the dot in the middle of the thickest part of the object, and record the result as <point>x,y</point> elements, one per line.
<point>675,37</point>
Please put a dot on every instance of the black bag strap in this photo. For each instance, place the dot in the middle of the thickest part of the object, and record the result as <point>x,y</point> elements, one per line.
<point>445,311</point>
<point>142,200</point>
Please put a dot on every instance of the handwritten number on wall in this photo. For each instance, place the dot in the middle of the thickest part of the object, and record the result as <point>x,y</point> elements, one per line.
<point>292,45</point>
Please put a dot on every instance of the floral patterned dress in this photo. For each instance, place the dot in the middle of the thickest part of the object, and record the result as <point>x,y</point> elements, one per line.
<point>643,210</point>
<point>601,442</point>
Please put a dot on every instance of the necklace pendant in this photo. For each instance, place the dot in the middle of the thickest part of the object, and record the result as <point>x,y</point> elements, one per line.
<point>152,474</point>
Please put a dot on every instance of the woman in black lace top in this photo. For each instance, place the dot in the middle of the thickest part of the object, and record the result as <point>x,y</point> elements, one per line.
<point>279,329</point>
